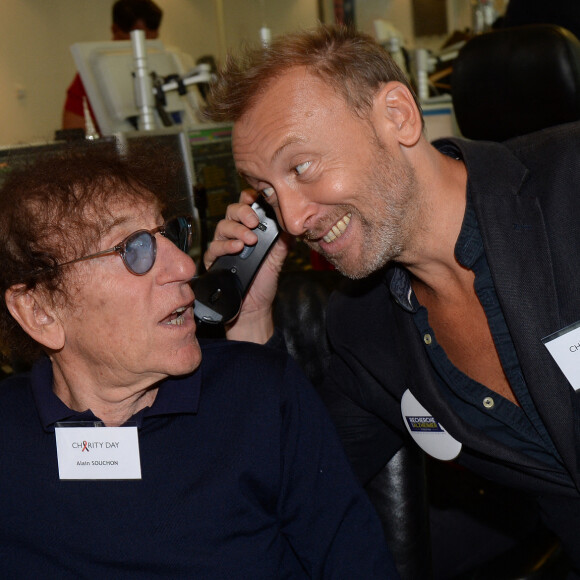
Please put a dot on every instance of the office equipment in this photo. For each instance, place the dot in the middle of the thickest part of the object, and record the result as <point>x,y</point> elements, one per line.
<point>107,70</point>
<point>217,182</point>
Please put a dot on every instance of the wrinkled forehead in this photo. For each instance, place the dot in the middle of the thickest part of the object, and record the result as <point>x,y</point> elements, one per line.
<point>103,219</point>
<point>296,89</point>
<point>122,210</point>
<point>291,109</point>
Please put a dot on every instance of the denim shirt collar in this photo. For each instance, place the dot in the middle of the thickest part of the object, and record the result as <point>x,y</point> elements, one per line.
<point>468,249</point>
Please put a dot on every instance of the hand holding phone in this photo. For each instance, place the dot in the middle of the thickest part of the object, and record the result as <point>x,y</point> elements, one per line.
<point>219,293</point>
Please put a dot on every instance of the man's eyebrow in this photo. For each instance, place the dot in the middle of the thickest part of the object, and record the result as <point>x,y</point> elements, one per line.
<point>110,225</point>
<point>119,222</point>
<point>247,178</point>
<point>291,140</point>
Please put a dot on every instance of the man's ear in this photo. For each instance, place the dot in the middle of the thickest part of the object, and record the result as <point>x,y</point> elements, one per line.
<point>395,110</point>
<point>32,311</point>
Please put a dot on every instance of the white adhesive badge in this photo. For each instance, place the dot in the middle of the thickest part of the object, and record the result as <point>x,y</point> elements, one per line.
<point>427,432</point>
<point>564,346</point>
<point>98,452</point>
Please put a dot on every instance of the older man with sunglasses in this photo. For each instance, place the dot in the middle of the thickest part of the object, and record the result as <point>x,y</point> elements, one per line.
<point>122,454</point>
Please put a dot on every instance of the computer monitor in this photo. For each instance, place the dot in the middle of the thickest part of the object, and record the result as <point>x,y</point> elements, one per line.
<point>107,71</point>
<point>166,146</point>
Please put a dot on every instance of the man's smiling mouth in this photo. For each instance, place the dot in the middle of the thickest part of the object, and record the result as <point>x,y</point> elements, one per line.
<point>337,229</point>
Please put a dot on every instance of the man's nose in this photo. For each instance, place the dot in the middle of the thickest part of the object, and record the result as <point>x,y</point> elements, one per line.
<point>174,263</point>
<point>295,212</point>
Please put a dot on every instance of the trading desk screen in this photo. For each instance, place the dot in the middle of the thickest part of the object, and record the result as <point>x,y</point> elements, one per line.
<point>217,182</point>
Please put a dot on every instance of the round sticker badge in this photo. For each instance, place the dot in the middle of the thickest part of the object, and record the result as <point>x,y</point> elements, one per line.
<point>427,432</point>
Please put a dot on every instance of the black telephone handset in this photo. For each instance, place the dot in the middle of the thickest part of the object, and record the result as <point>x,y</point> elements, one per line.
<point>220,291</point>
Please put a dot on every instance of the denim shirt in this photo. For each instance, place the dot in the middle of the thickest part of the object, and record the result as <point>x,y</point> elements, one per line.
<point>517,427</point>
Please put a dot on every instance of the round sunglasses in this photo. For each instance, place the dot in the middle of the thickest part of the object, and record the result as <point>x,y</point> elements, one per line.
<point>139,249</point>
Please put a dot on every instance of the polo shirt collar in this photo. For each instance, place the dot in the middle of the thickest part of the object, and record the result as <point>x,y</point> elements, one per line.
<point>175,396</point>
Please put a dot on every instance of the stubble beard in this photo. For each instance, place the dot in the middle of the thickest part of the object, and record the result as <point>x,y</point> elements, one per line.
<point>385,232</point>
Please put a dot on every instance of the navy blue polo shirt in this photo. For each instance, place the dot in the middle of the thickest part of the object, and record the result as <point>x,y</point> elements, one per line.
<point>242,476</point>
<point>517,427</point>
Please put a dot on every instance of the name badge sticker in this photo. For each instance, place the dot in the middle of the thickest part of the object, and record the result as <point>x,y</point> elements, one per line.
<point>427,432</point>
<point>98,452</point>
<point>564,346</point>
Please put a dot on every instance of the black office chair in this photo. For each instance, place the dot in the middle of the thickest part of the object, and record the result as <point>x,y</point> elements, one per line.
<point>513,81</point>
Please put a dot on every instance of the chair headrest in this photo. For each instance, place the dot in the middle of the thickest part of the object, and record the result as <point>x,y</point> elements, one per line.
<point>513,81</point>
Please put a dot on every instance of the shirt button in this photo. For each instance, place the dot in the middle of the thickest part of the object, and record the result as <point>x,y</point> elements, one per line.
<point>427,339</point>
<point>488,403</point>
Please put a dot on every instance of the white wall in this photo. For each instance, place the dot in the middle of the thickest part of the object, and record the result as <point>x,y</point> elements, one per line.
<point>35,35</point>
